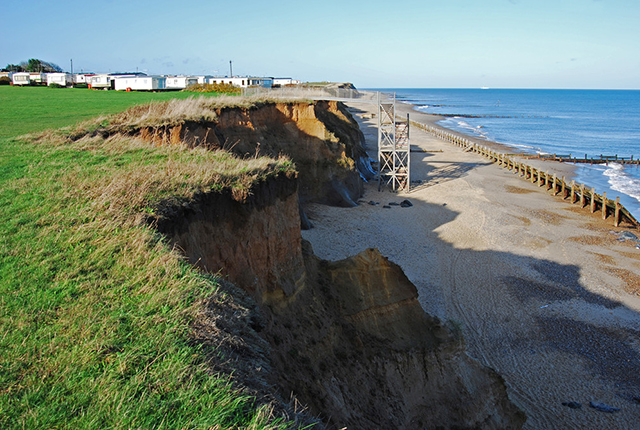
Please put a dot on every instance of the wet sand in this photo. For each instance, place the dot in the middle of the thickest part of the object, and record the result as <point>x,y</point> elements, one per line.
<point>544,292</point>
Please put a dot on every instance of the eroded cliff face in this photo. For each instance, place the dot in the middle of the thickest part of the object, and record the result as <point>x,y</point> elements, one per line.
<point>348,338</point>
<point>252,238</point>
<point>356,346</point>
<point>322,138</point>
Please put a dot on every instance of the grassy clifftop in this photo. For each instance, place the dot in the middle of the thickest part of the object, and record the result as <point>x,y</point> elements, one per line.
<point>95,308</point>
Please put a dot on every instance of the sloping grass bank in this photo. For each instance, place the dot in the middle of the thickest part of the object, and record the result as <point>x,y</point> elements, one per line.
<point>95,308</point>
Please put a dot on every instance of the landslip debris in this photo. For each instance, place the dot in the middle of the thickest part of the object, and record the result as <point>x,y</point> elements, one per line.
<point>572,405</point>
<point>603,407</point>
<point>403,204</point>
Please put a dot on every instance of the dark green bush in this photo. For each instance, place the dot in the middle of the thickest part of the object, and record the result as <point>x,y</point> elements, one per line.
<point>4,80</point>
<point>213,88</point>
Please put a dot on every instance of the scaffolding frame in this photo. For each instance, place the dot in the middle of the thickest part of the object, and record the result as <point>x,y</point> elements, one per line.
<point>394,147</point>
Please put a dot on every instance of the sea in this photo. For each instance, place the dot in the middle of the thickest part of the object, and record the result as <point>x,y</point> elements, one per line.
<point>576,122</point>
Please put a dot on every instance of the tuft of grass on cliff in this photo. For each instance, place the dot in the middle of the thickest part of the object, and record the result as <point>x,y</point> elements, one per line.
<point>95,307</point>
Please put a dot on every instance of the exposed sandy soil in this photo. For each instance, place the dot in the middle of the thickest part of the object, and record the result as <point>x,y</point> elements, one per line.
<point>545,294</point>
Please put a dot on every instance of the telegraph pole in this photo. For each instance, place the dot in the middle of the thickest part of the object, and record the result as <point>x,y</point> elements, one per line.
<point>230,69</point>
<point>72,76</point>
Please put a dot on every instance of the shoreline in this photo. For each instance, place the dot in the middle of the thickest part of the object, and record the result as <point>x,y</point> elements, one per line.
<point>544,294</point>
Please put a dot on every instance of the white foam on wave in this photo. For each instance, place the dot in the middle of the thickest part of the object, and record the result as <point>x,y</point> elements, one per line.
<point>527,148</point>
<point>622,181</point>
<point>470,129</point>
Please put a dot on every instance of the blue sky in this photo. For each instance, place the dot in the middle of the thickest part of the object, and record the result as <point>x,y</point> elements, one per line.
<point>374,44</point>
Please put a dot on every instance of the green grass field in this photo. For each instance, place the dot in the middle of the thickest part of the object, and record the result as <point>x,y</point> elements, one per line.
<point>95,309</point>
<point>23,110</point>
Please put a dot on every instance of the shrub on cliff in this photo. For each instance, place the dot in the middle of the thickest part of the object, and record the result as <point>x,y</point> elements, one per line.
<point>214,88</point>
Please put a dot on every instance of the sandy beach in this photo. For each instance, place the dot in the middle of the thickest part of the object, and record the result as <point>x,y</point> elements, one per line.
<point>544,292</point>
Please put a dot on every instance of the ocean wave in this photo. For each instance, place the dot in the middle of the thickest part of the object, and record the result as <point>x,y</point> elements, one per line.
<point>457,124</point>
<point>527,148</point>
<point>621,181</point>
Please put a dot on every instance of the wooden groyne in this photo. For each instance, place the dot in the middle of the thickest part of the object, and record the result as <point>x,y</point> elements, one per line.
<point>576,193</point>
<point>601,159</point>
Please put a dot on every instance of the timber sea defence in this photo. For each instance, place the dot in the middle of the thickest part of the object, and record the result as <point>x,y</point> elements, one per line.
<point>580,194</point>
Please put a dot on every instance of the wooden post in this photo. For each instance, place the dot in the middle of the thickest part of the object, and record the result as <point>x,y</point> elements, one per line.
<point>604,205</point>
<point>573,192</point>
<point>581,195</point>
<point>616,217</point>
<point>593,200</point>
<point>539,181</point>
<point>555,184</point>
<point>546,180</point>
<point>564,189</point>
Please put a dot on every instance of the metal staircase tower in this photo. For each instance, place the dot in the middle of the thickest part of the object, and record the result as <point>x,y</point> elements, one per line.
<point>394,147</point>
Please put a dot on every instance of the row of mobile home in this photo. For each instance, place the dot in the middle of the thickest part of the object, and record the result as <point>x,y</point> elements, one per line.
<point>124,83</point>
<point>140,81</point>
<point>243,81</point>
<point>33,78</point>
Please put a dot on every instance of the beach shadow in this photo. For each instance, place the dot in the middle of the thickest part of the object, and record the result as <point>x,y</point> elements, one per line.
<point>432,172</point>
<point>541,291</point>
